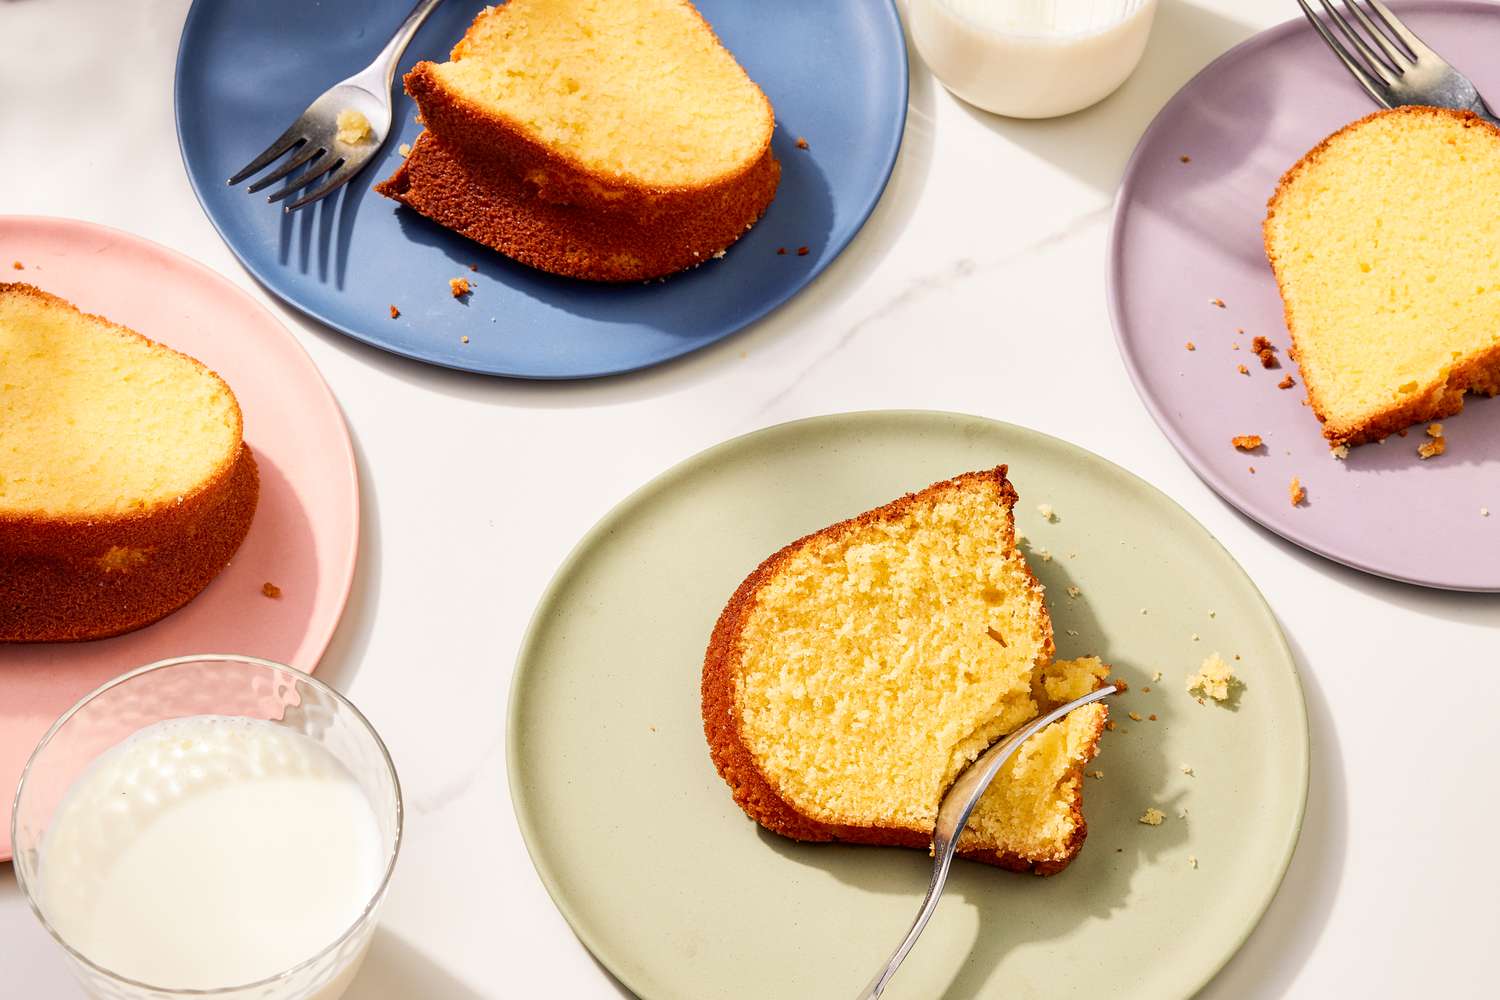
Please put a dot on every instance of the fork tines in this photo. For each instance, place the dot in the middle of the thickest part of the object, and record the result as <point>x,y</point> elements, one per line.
<point>1376,48</point>
<point>307,148</point>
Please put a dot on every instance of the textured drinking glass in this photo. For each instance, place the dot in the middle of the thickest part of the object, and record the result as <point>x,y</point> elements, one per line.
<point>242,686</point>
<point>1031,58</point>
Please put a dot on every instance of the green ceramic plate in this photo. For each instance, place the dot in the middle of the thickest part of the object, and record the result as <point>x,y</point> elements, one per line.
<point>682,897</point>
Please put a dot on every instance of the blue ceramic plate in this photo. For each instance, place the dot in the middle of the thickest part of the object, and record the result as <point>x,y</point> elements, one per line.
<point>835,71</point>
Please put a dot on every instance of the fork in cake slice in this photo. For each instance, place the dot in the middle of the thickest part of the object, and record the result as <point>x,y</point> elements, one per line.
<point>858,670</point>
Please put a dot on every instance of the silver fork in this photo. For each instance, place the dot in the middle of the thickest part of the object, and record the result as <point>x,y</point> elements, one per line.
<point>313,138</point>
<point>953,812</point>
<point>1390,62</point>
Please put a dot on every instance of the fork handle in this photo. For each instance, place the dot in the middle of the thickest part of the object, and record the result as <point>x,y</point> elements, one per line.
<point>390,56</point>
<point>940,868</point>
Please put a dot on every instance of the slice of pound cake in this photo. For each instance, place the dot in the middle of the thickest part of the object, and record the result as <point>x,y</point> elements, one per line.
<point>1386,248</point>
<point>629,114</point>
<point>857,671</point>
<point>125,486</point>
<point>496,208</point>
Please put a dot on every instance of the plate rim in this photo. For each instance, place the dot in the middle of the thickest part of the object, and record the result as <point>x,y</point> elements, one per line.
<point>532,835</point>
<point>321,639</point>
<point>348,464</point>
<point>1114,262</point>
<point>887,160</point>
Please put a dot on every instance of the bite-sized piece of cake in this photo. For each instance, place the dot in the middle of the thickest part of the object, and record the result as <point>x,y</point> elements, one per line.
<point>857,671</point>
<point>125,486</point>
<point>495,208</point>
<point>1214,679</point>
<point>1386,247</point>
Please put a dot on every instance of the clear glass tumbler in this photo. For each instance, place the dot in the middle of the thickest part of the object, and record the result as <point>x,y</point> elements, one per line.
<point>241,686</point>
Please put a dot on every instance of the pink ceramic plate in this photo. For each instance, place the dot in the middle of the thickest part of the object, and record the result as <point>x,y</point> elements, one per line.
<point>1188,233</point>
<point>306,528</point>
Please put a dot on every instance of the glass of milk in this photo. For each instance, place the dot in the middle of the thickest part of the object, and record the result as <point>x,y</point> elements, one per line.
<point>1031,58</point>
<point>218,826</point>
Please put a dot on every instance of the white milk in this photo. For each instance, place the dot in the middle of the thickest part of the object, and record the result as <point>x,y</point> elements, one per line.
<point>209,852</point>
<point>1031,58</point>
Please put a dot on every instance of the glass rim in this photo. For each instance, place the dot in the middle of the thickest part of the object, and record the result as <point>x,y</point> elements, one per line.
<point>177,661</point>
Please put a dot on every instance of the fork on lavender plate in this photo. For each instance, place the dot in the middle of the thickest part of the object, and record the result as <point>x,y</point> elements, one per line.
<point>341,131</point>
<point>1389,61</point>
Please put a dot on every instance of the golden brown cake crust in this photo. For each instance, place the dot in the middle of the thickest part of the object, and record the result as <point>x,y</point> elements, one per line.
<point>491,206</point>
<point>70,578</point>
<point>554,175</point>
<point>72,597</point>
<point>753,790</point>
<point>1480,373</point>
<point>47,535</point>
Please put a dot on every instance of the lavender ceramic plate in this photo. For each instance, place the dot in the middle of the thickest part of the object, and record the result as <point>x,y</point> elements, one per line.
<point>1187,233</point>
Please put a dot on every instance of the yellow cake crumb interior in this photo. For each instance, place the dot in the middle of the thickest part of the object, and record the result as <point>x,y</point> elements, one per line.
<point>1387,247</point>
<point>95,421</point>
<point>1214,679</point>
<point>632,88</point>
<point>1028,809</point>
<point>881,661</point>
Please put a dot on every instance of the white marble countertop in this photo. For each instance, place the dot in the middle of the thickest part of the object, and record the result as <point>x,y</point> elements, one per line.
<point>976,286</point>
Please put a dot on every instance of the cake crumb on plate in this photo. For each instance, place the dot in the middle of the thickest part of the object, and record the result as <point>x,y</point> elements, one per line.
<point>1246,442</point>
<point>270,590</point>
<point>1152,817</point>
<point>1213,679</point>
